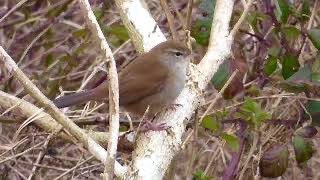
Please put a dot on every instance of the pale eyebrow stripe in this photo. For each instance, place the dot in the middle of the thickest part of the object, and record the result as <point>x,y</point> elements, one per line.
<point>174,50</point>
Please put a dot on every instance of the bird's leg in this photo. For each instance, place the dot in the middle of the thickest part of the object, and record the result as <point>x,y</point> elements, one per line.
<point>152,126</point>
<point>149,125</point>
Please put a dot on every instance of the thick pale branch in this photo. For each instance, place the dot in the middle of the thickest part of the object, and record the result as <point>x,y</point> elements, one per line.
<point>155,150</point>
<point>142,28</point>
<point>22,109</point>
<point>219,43</point>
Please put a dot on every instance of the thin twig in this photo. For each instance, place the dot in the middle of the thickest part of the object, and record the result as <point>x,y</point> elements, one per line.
<point>70,126</point>
<point>314,11</point>
<point>8,148</point>
<point>113,87</point>
<point>32,43</point>
<point>41,154</point>
<point>45,121</point>
<point>43,166</point>
<point>233,75</point>
<point>30,119</point>
<point>180,16</point>
<point>242,18</point>
<point>189,13</point>
<point>250,155</point>
<point>17,171</point>
<point>20,154</point>
<point>73,168</point>
<point>230,171</point>
<point>225,86</point>
<point>170,19</point>
<point>20,3</point>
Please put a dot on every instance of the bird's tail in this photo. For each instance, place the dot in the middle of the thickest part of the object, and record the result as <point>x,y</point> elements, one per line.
<point>74,99</point>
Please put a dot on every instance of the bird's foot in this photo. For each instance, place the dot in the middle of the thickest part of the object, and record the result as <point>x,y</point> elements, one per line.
<point>152,126</point>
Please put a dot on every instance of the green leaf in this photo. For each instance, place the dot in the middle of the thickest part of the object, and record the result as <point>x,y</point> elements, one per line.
<point>48,36</point>
<point>303,80</point>
<point>200,31</point>
<point>123,128</point>
<point>200,175</point>
<point>119,31</point>
<point>252,112</point>
<point>210,123</point>
<point>49,60</point>
<point>82,48</point>
<point>291,33</point>
<point>55,12</point>
<point>98,13</point>
<point>254,18</point>
<point>303,149</point>
<point>283,11</point>
<point>315,78</point>
<point>222,75</point>
<point>314,36</point>
<point>207,7</point>
<point>305,10</point>
<point>313,107</point>
<point>303,75</point>
<point>316,64</point>
<point>271,65</point>
<point>298,81</point>
<point>290,65</point>
<point>253,90</point>
<point>222,114</point>
<point>117,34</point>
<point>274,51</point>
<point>232,141</point>
<point>81,33</point>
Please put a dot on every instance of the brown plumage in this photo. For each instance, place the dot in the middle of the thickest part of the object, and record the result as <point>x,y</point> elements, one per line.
<point>153,79</point>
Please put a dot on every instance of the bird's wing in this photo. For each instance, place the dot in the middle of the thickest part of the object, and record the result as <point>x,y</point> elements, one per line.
<point>142,79</point>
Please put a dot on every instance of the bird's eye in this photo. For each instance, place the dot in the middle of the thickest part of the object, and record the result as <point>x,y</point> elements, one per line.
<point>178,54</point>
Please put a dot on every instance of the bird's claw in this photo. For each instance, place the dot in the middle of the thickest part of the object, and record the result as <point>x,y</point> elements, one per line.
<point>151,126</point>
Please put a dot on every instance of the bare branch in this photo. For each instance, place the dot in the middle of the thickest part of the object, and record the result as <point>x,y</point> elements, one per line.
<point>113,86</point>
<point>143,30</point>
<point>23,109</point>
<point>242,17</point>
<point>13,9</point>
<point>169,16</point>
<point>310,23</point>
<point>155,150</point>
<point>70,126</point>
<point>189,13</point>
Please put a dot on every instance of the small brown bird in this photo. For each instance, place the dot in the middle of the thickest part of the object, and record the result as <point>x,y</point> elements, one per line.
<point>154,79</point>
